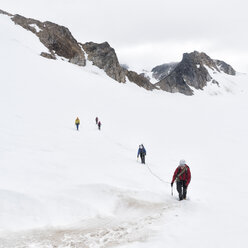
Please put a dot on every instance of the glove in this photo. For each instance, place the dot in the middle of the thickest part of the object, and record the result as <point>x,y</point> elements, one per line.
<point>171,184</point>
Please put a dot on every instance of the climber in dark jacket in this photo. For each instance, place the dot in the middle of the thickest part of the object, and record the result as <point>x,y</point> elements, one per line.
<point>99,125</point>
<point>142,153</point>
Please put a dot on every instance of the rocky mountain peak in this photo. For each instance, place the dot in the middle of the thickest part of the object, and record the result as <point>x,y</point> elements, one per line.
<point>192,72</point>
<point>58,39</point>
<point>103,56</point>
<point>197,58</point>
<point>224,67</point>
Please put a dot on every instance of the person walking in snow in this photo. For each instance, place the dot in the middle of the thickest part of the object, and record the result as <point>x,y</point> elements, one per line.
<point>182,175</point>
<point>99,125</point>
<point>96,120</point>
<point>77,123</point>
<point>142,153</point>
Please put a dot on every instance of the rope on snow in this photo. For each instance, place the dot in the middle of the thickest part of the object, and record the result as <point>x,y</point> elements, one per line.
<point>159,178</point>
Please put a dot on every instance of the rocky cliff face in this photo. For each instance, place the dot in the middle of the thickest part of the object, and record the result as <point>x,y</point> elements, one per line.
<point>103,56</point>
<point>56,38</point>
<point>140,80</point>
<point>59,41</point>
<point>161,71</point>
<point>192,72</point>
<point>224,67</point>
<point>181,77</point>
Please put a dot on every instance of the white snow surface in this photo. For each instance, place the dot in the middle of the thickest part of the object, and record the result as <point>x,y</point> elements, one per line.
<point>37,29</point>
<point>65,188</point>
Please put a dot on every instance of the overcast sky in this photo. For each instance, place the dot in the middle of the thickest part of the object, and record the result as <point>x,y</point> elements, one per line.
<point>150,32</point>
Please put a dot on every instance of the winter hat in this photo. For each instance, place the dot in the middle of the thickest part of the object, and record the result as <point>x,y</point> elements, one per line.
<point>182,162</point>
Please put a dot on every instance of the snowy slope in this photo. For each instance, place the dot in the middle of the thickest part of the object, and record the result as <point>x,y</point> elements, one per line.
<point>67,188</point>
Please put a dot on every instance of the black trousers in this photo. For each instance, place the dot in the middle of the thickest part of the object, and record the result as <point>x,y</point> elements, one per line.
<point>182,189</point>
<point>142,156</point>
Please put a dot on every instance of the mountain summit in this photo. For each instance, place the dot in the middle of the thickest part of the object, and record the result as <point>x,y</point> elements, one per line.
<point>192,72</point>
<point>60,43</point>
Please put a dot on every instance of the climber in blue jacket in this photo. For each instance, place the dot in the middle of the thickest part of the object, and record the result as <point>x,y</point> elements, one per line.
<point>142,153</point>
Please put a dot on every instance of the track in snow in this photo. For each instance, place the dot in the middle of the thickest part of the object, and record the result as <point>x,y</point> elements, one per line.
<point>97,232</point>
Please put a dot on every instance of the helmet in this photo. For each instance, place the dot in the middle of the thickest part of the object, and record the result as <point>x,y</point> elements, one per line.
<point>182,162</point>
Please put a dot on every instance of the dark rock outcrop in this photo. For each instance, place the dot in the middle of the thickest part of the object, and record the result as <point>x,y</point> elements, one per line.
<point>103,56</point>
<point>5,13</point>
<point>193,69</point>
<point>144,74</point>
<point>175,83</point>
<point>58,39</point>
<point>48,55</point>
<point>161,71</point>
<point>192,72</point>
<point>226,68</point>
<point>140,80</point>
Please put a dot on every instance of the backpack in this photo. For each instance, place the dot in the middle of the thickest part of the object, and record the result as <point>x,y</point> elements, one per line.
<point>181,172</point>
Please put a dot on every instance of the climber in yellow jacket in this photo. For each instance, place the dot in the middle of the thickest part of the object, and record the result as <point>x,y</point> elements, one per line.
<point>77,123</point>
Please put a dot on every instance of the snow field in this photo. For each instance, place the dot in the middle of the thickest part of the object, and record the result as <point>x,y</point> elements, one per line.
<point>60,187</point>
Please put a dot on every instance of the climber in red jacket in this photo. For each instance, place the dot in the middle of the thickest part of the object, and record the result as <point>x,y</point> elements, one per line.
<point>182,176</point>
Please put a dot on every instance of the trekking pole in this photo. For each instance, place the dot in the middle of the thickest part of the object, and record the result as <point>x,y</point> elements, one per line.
<point>172,190</point>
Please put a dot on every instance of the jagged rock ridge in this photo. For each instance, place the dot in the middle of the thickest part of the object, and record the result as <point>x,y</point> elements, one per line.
<point>224,67</point>
<point>140,80</point>
<point>181,77</point>
<point>58,39</point>
<point>192,72</point>
<point>161,71</point>
<point>5,13</point>
<point>104,56</point>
